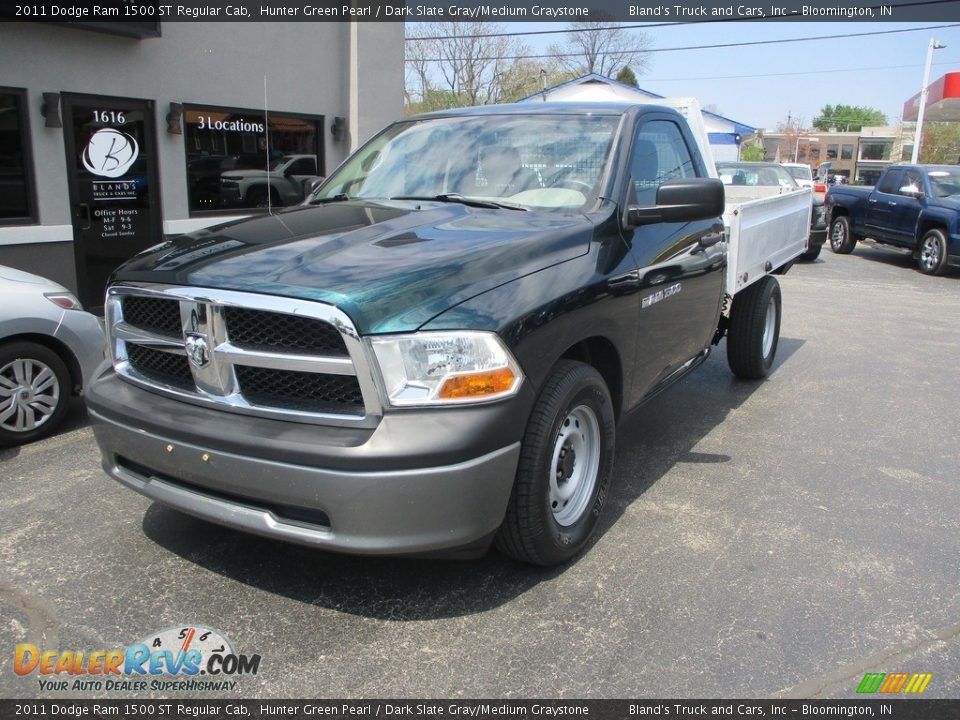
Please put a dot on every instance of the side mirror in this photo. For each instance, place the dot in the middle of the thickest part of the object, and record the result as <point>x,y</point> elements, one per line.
<point>911,191</point>
<point>681,200</point>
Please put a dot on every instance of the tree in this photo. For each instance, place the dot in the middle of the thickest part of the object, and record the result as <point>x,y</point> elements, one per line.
<point>602,47</point>
<point>751,151</point>
<point>941,143</point>
<point>848,118</point>
<point>468,61</point>
<point>627,77</point>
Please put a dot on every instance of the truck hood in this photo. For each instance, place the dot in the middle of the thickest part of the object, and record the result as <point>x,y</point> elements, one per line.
<point>390,265</point>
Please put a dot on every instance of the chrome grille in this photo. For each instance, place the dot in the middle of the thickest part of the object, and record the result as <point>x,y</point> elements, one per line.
<point>154,314</point>
<point>312,392</point>
<point>242,352</point>
<point>280,332</point>
<point>163,367</point>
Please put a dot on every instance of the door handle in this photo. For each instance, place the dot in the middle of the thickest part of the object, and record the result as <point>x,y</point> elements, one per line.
<point>872,201</point>
<point>83,213</point>
<point>891,203</point>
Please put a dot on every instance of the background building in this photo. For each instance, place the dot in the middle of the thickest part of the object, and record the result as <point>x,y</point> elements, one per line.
<point>115,135</point>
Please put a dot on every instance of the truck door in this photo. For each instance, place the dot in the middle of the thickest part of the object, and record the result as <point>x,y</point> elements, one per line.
<point>881,204</point>
<point>910,202</point>
<point>681,282</point>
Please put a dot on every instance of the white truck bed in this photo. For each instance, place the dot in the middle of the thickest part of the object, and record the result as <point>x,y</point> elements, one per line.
<point>765,229</point>
<point>763,233</point>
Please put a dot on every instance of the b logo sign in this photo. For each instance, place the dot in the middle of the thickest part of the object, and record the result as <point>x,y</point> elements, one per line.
<point>110,153</point>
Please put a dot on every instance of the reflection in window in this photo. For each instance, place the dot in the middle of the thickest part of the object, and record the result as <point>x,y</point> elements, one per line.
<point>875,150</point>
<point>832,152</point>
<point>847,152</point>
<point>15,182</point>
<point>239,160</point>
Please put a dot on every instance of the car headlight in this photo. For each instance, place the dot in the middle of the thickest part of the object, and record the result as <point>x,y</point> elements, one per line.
<point>440,368</point>
<point>64,299</point>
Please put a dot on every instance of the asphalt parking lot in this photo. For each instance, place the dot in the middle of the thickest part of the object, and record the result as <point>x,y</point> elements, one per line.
<point>764,539</point>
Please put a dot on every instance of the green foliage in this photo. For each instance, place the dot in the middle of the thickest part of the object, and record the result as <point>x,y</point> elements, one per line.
<point>941,143</point>
<point>627,77</point>
<point>751,152</point>
<point>848,118</point>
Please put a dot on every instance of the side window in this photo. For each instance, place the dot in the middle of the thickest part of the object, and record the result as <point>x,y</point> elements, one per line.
<point>891,182</point>
<point>659,154</point>
<point>913,181</point>
<point>304,166</point>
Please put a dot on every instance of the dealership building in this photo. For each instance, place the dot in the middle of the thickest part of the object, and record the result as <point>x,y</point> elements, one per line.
<point>115,135</point>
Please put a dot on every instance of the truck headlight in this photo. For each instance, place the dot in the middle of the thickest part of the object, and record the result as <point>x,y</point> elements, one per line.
<point>439,368</point>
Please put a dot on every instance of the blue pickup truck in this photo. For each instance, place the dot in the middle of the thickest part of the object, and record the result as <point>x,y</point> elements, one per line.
<point>912,206</point>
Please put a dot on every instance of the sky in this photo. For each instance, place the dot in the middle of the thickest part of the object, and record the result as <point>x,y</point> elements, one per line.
<point>761,85</point>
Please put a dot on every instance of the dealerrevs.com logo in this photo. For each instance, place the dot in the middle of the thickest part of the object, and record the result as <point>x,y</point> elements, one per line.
<point>193,658</point>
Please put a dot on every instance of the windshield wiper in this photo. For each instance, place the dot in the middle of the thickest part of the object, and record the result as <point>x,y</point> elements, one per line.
<point>463,200</point>
<point>333,198</point>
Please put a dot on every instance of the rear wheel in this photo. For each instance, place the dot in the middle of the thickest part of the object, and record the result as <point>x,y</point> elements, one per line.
<point>933,253</point>
<point>34,392</point>
<point>842,240</point>
<point>754,329</point>
<point>565,468</point>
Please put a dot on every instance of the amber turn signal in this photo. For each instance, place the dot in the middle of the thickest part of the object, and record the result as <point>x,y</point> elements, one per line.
<point>477,384</point>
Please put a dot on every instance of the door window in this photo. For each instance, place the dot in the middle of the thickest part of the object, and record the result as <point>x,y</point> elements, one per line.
<point>659,154</point>
<point>891,182</point>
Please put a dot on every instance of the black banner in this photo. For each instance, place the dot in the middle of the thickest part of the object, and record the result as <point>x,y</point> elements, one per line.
<point>216,709</point>
<point>144,15</point>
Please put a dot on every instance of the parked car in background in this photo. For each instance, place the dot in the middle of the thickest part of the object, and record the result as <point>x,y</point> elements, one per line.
<point>916,207</point>
<point>49,351</point>
<point>284,184</point>
<point>753,174</point>
<point>801,173</point>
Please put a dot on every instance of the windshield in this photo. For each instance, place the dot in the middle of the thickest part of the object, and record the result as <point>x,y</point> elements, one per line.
<point>534,161</point>
<point>799,173</point>
<point>944,183</point>
<point>279,163</point>
<point>756,174</point>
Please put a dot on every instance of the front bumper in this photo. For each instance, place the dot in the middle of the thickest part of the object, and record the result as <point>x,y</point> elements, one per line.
<point>379,491</point>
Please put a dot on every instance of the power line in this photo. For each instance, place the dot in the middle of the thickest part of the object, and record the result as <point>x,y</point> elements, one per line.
<point>699,47</point>
<point>798,72</point>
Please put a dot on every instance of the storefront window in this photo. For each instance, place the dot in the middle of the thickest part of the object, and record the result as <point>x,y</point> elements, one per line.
<point>876,150</point>
<point>16,182</point>
<point>240,160</point>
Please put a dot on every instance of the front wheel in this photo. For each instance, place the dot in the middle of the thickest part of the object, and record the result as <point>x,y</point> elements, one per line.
<point>34,392</point>
<point>842,240</point>
<point>933,253</point>
<point>754,329</point>
<point>565,467</point>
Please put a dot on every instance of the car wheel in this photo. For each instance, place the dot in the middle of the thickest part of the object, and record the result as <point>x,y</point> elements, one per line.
<point>842,240</point>
<point>933,253</point>
<point>34,392</point>
<point>811,254</point>
<point>754,329</point>
<point>563,476</point>
<point>260,199</point>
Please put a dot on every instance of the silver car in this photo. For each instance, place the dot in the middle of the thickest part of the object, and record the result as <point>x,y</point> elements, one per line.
<point>49,351</point>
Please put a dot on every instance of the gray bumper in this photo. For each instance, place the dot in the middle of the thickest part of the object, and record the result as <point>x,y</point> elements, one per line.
<point>315,500</point>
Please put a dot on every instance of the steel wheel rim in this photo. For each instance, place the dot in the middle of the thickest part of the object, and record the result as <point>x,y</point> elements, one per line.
<point>930,253</point>
<point>837,237</point>
<point>769,328</point>
<point>29,395</point>
<point>574,465</point>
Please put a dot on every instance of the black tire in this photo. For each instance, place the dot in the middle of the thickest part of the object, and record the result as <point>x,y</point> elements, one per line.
<point>932,253</point>
<point>754,334</point>
<point>842,240</point>
<point>536,528</point>
<point>811,254</point>
<point>35,392</point>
